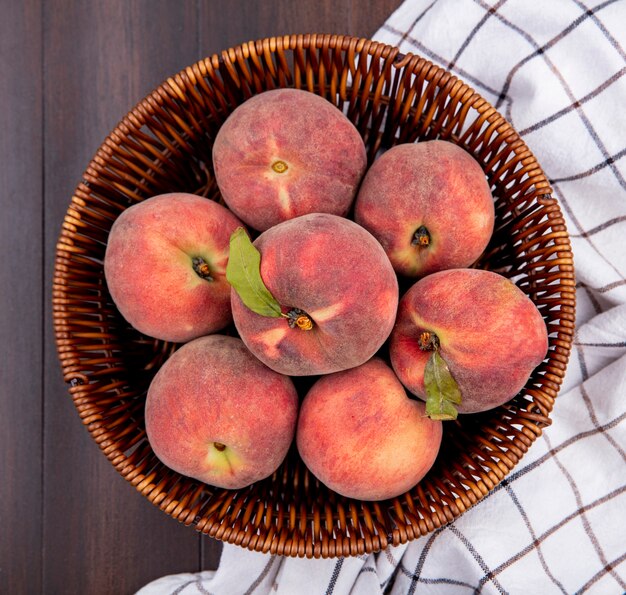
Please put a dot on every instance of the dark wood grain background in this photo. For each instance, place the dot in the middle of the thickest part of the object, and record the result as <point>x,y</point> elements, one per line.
<point>69,71</point>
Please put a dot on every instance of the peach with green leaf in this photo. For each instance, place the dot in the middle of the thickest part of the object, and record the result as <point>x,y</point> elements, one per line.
<point>217,414</point>
<point>285,153</point>
<point>466,340</point>
<point>312,295</point>
<point>429,205</point>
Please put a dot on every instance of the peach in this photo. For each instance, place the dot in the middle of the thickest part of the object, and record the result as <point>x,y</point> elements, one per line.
<point>337,290</point>
<point>217,414</point>
<point>487,330</point>
<point>360,434</point>
<point>286,153</point>
<point>165,266</point>
<point>429,205</point>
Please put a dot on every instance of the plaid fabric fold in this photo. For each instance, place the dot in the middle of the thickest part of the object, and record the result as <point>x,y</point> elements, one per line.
<point>557,523</point>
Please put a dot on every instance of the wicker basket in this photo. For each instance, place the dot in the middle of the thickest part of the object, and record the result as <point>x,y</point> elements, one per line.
<point>164,145</point>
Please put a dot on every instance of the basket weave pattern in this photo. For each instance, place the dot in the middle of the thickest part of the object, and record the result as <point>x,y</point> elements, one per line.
<point>164,145</point>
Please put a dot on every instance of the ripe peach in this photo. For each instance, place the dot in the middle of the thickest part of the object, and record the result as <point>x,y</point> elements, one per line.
<point>331,272</point>
<point>285,153</point>
<point>165,266</point>
<point>217,414</point>
<point>488,331</point>
<point>360,434</point>
<point>429,205</point>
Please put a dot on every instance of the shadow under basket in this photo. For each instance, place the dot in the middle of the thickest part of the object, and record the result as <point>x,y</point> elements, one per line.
<point>164,145</point>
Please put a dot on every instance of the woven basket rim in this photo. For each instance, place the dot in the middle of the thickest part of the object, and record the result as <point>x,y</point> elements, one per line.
<point>172,90</point>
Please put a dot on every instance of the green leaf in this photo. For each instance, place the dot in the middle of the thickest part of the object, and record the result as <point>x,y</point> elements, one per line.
<point>441,389</point>
<point>243,272</point>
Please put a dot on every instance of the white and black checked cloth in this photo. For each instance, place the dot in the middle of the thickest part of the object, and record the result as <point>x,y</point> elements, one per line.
<point>557,523</point>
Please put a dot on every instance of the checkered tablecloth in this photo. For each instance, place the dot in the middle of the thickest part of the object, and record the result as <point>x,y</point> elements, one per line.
<point>557,523</point>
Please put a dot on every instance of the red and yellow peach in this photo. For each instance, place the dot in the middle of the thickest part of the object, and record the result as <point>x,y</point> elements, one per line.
<point>429,205</point>
<point>217,414</point>
<point>286,153</point>
<point>363,437</point>
<point>487,330</point>
<point>331,272</point>
<point>165,266</point>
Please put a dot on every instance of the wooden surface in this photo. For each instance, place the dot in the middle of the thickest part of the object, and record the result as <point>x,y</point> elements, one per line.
<point>69,71</point>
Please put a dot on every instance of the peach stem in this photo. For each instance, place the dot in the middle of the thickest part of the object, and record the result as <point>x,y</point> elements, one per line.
<point>299,318</point>
<point>280,167</point>
<point>201,268</point>
<point>421,237</point>
<point>428,341</point>
<point>219,446</point>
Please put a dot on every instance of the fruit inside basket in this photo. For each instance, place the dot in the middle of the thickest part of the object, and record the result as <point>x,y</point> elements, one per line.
<point>165,145</point>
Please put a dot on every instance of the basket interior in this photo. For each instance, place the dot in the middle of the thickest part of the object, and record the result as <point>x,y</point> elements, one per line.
<point>164,145</point>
